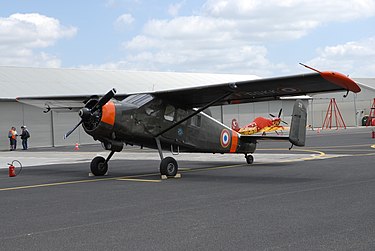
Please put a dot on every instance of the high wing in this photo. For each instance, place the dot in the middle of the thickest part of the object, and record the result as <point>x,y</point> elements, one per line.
<point>260,89</point>
<point>73,103</point>
<point>223,94</point>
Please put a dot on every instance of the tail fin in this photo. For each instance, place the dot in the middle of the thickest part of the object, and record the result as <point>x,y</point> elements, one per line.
<point>297,135</point>
<point>235,125</point>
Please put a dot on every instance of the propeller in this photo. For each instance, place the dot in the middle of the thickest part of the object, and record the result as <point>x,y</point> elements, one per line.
<point>281,109</point>
<point>86,113</point>
<point>279,116</point>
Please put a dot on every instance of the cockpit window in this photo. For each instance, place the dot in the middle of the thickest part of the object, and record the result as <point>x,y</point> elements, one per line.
<point>169,113</point>
<point>139,99</point>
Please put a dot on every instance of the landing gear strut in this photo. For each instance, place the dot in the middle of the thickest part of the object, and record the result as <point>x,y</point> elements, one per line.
<point>249,159</point>
<point>168,165</point>
<point>99,165</point>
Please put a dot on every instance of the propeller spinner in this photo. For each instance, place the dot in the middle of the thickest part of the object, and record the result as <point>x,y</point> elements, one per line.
<point>86,113</point>
<point>279,116</point>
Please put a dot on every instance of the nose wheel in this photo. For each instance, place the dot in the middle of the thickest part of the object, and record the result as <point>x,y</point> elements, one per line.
<point>249,159</point>
<point>99,165</point>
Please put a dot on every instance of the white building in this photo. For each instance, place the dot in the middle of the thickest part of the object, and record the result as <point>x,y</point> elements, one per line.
<point>47,129</point>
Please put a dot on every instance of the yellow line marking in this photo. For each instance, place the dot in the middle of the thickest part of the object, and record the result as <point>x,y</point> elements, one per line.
<point>349,150</point>
<point>363,154</point>
<point>140,180</point>
<point>311,147</point>
<point>211,168</point>
<point>72,182</point>
<point>182,170</point>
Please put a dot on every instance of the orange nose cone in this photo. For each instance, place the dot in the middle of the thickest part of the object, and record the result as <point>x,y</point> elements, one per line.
<point>109,113</point>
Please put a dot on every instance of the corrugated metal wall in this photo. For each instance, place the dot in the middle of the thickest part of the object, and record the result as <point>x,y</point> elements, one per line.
<point>46,129</point>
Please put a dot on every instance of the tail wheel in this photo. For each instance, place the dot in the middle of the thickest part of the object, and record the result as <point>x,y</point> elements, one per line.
<point>98,166</point>
<point>168,166</point>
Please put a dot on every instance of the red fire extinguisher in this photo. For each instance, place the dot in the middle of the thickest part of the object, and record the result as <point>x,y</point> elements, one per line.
<point>12,168</point>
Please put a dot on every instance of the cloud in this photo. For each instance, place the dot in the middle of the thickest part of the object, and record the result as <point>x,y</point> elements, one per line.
<point>22,36</point>
<point>355,58</point>
<point>120,3</point>
<point>290,10</point>
<point>124,21</point>
<point>174,9</point>
<point>234,36</point>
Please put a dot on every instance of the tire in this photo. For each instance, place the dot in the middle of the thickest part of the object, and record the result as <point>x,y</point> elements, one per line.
<point>97,166</point>
<point>168,166</point>
<point>249,159</point>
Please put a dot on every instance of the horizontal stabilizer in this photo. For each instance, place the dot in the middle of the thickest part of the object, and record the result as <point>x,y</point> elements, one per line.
<point>297,134</point>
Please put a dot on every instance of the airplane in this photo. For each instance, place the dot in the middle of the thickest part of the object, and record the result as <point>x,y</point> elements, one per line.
<point>174,120</point>
<point>260,124</point>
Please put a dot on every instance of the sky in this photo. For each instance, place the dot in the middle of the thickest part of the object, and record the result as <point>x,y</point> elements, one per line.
<point>261,37</point>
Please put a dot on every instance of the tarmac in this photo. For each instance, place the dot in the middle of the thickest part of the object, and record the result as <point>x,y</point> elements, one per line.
<point>319,197</point>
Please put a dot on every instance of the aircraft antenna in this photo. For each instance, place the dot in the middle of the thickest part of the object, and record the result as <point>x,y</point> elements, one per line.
<point>309,67</point>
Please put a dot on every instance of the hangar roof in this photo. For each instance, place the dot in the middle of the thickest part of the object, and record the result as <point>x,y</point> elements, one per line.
<point>366,82</point>
<point>27,81</point>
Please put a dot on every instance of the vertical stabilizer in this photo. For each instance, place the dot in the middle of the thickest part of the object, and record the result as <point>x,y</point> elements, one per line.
<point>297,135</point>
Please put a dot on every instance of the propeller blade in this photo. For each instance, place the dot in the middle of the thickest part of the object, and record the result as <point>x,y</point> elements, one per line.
<point>284,122</point>
<point>71,131</point>
<point>281,109</point>
<point>86,113</point>
<point>272,115</point>
<point>104,100</point>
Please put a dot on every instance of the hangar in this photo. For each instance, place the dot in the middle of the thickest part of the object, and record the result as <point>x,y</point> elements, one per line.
<point>47,129</point>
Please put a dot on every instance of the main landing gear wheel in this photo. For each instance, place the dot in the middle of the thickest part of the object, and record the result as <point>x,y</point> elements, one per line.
<point>249,159</point>
<point>168,167</point>
<point>98,166</point>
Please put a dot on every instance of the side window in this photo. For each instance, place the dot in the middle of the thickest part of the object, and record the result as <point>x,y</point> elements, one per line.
<point>169,113</point>
<point>196,120</point>
<point>181,114</point>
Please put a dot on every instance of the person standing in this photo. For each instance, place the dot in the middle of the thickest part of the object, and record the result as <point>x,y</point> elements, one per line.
<point>12,135</point>
<point>24,136</point>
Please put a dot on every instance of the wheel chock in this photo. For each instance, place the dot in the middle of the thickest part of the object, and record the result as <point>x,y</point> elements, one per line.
<point>165,177</point>
<point>92,175</point>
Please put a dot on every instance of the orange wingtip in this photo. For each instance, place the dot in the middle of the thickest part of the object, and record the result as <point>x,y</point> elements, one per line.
<point>337,78</point>
<point>341,80</point>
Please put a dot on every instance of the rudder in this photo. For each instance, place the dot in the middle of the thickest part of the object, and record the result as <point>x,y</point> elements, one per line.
<point>297,134</point>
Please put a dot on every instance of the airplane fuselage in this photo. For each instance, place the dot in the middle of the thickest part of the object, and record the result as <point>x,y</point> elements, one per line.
<point>140,119</point>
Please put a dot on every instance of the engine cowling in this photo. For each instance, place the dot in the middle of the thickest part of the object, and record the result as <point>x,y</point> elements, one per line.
<point>100,123</point>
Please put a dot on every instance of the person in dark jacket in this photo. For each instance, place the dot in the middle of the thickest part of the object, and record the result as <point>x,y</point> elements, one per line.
<point>24,136</point>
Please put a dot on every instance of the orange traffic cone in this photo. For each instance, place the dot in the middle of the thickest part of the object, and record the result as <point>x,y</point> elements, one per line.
<point>76,147</point>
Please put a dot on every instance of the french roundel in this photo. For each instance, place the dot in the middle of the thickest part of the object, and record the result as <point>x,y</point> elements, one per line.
<point>225,138</point>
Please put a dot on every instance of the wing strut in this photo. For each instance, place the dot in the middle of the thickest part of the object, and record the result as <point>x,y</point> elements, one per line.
<point>195,113</point>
